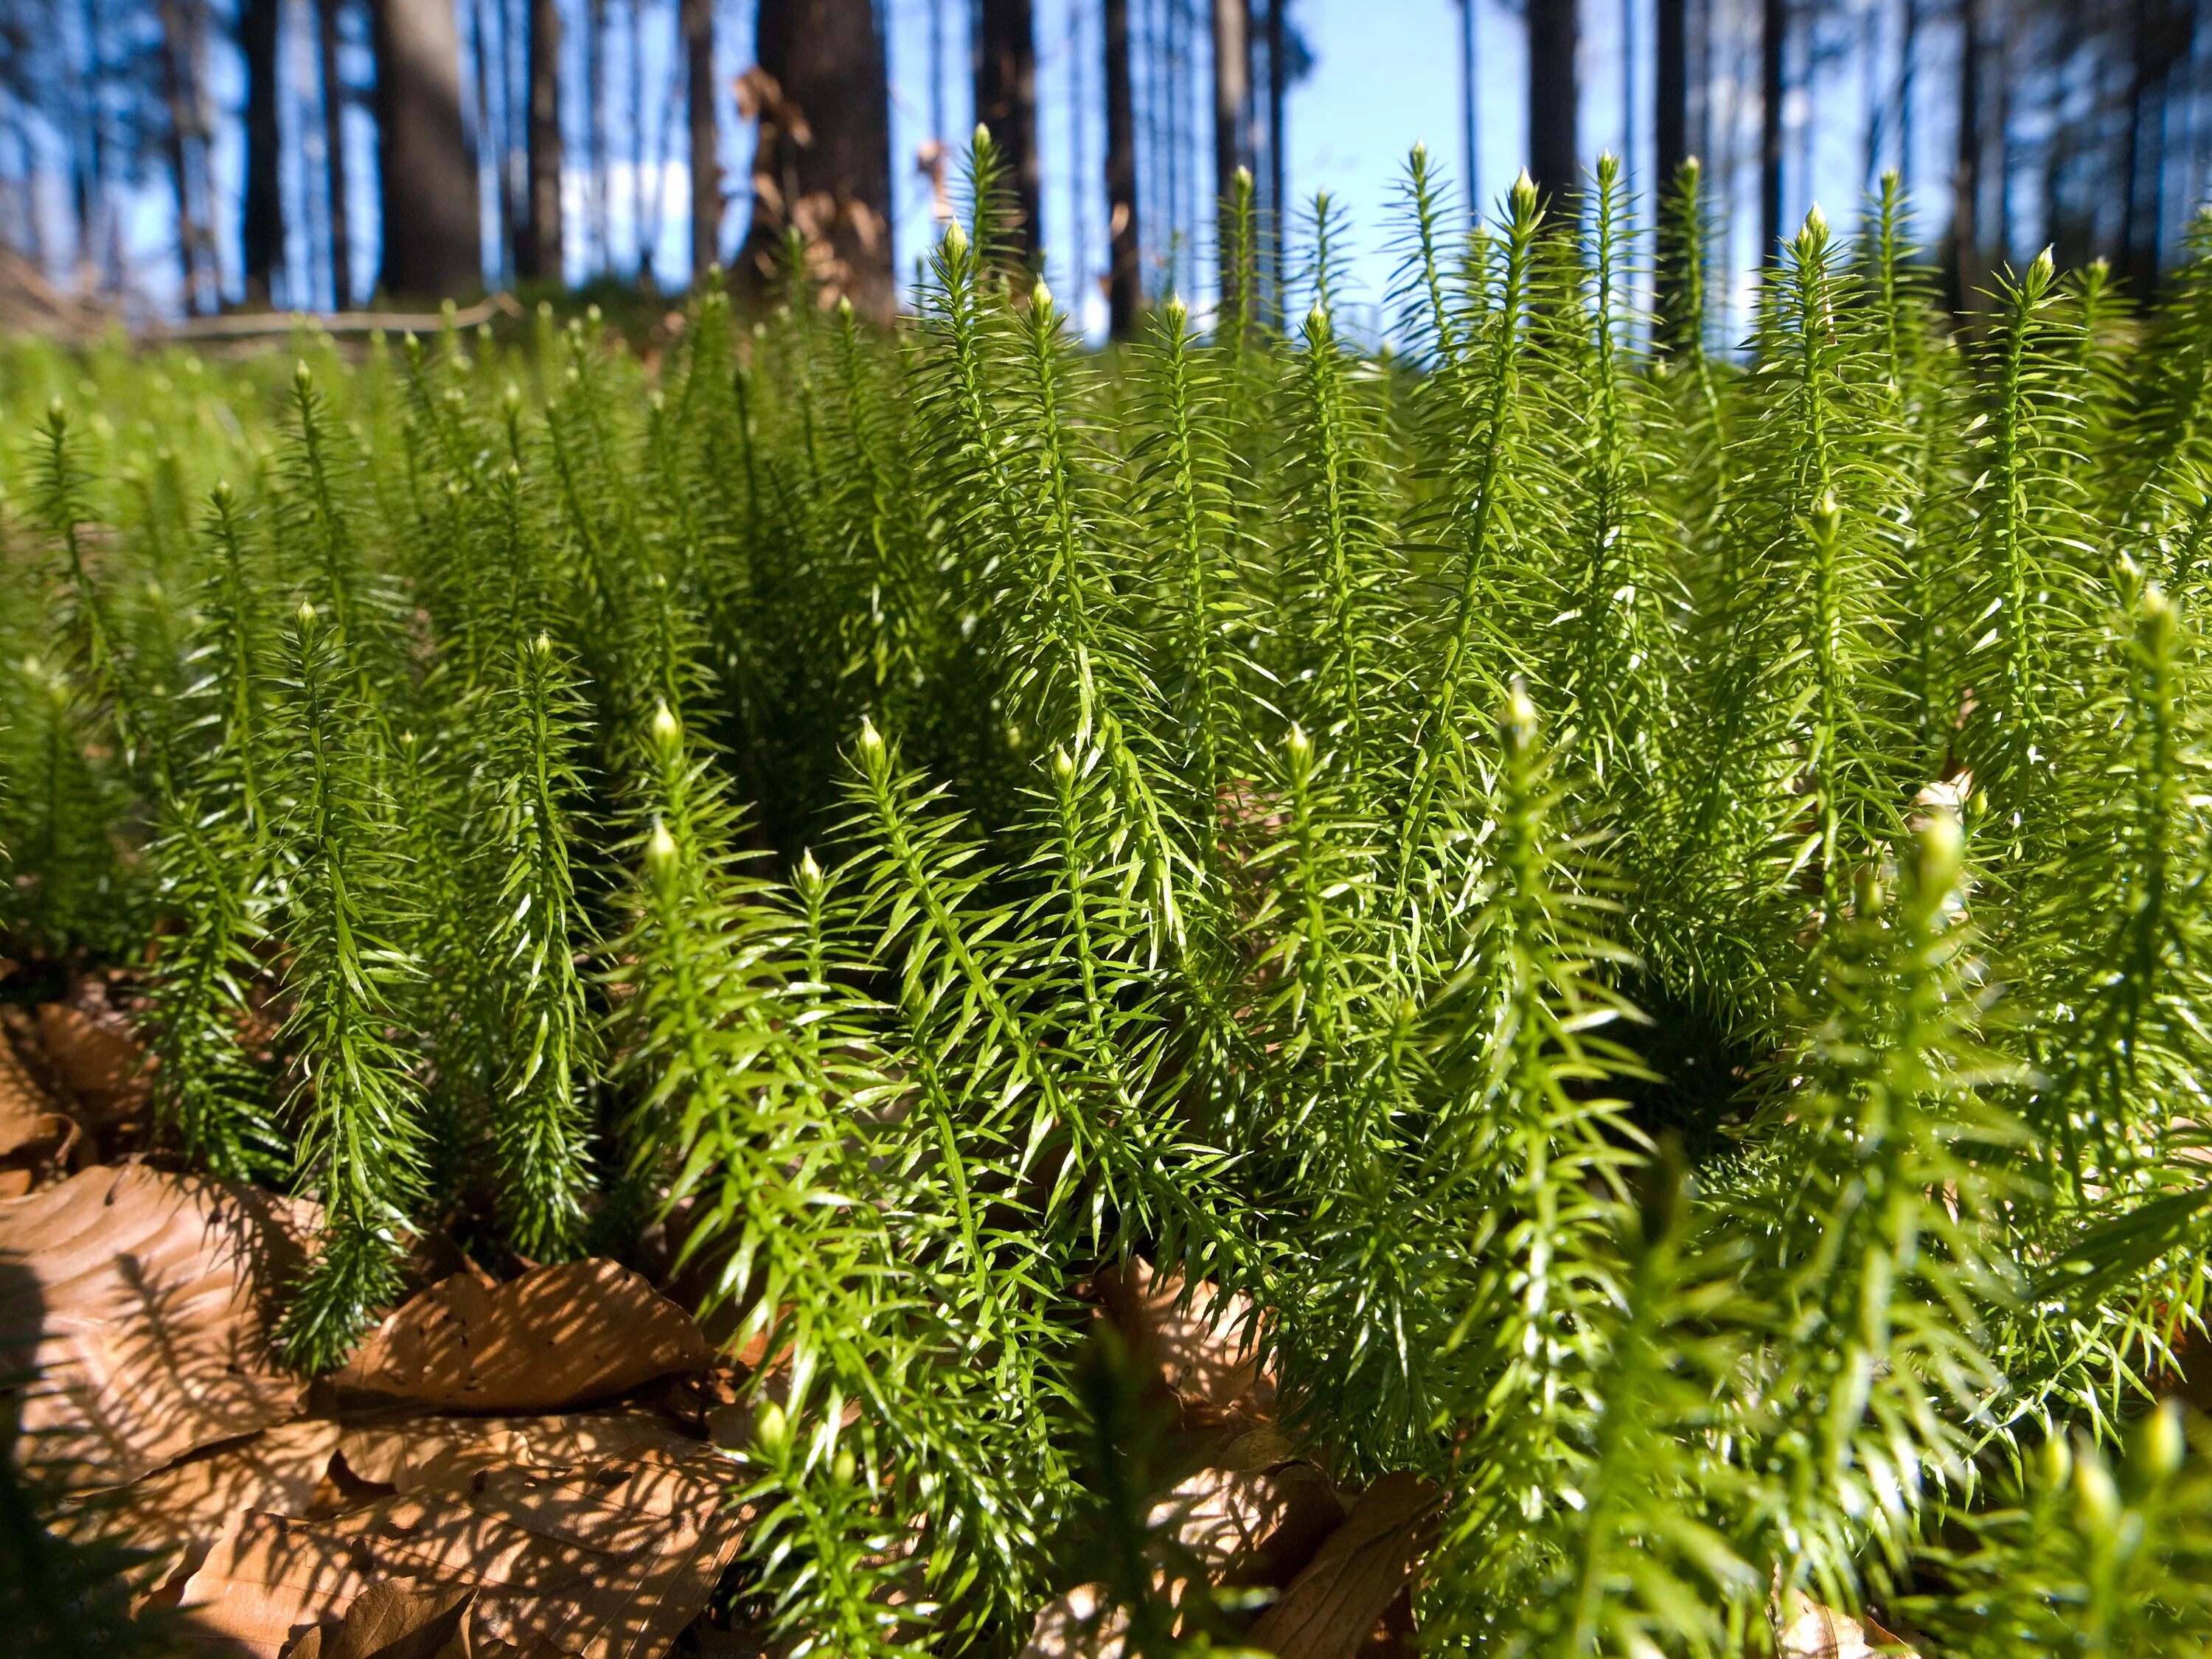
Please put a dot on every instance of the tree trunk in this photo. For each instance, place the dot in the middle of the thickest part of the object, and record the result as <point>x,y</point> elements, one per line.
<point>180,90</point>
<point>1670,132</point>
<point>334,167</point>
<point>598,234</point>
<point>698,19</point>
<point>1773,40</point>
<point>1006,105</point>
<point>1908,75</point>
<point>640,233</point>
<point>2160,37</point>
<point>537,255</point>
<point>1125,289</point>
<point>264,199</point>
<point>1279,84</point>
<point>480,61</point>
<point>1469,85</point>
<point>1232,90</point>
<point>1964,265</point>
<point>822,161</point>
<point>1671,97</point>
<point>1554,162</point>
<point>434,236</point>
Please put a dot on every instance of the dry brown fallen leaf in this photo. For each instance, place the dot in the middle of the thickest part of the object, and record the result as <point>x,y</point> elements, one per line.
<point>557,1337</point>
<point>176,1514</point>
<point>1078,1625</point>
<point>607,1559</point>
<point>103,1068</point>
<point>1244,1527</point>
<point>1252,1526</point>
<point>1815,1631</point>
<point>37,1140</point>
<point>425,1453</point>
<point>1202,1344</point>
<point>141,1302</point>
<point>1332,1607</point>
<point>396,1620</point>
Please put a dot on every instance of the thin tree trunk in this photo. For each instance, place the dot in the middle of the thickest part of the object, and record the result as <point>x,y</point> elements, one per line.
<point>1964,265</point>
<point>1079,100</point>
<point>537,256</point>
<point>487,141</point>
<point>1125,289</point>
<point>1232,88</point>
<point>264,226</point>
<point>1554,92</point>
<point>826,60</point>
<point>1279,171</point>
<point>178,90</point>
<point>1773,40</point>
<point>1629,141</point>
<point>334,167</point>
<point>1671,98</point>
<point>1469,85</point>
<point>429,177</point>
<point>595,126</point>
<point>2004,136</point>
<point>2160,37</point>
<point>1670,129</point>
<point>698,21</point>
<point>1908,67</point>
<point>639,234</point>
<point>1005,104</point>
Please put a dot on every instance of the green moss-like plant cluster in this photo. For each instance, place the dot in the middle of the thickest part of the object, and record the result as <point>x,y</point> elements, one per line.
<point>1645,905</point>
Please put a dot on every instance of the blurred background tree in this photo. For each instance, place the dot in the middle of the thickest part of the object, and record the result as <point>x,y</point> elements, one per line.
<point>183,156</point>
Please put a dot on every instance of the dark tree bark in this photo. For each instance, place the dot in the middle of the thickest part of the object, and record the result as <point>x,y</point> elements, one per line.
<point>1773,41</point>
<point>1232,91</point>
<point>1006,105</point>
<point>2160,37</point>
<point>1125,289</point>
<point>1671,98</point>
<point>1554,95</point>
<point>184,142</point>
<point>823,163</point>
<point>432,236</point>
<point>537,252</point>
<point>1670,129</point>
<point>1963,250</point>
<point>698,19</point>
<point>264,199</point>
<point>334,170</point>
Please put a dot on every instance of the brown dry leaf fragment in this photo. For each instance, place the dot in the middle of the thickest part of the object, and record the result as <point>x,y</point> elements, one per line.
<point>603,1560</point>
<point>1078,1625</point>
<point>1332,1607</point>
<point>557,1337</point>
<point>103,1068</point>
<point>1815,1631</point>
<point>1252,1526</point>
<point>142,1304</point>
<point>272,1580</point>
<point>422,1453</point>
<point>398,1620</point>
<point>177,1513</point>
<point>1202,1344</point>
<point>37,1140</point>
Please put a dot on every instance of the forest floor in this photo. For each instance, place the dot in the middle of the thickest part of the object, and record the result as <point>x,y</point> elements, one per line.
<point>548,1462</point>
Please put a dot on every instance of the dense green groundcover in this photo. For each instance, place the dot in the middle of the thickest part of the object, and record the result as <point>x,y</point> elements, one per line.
<point>1647,904</point>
